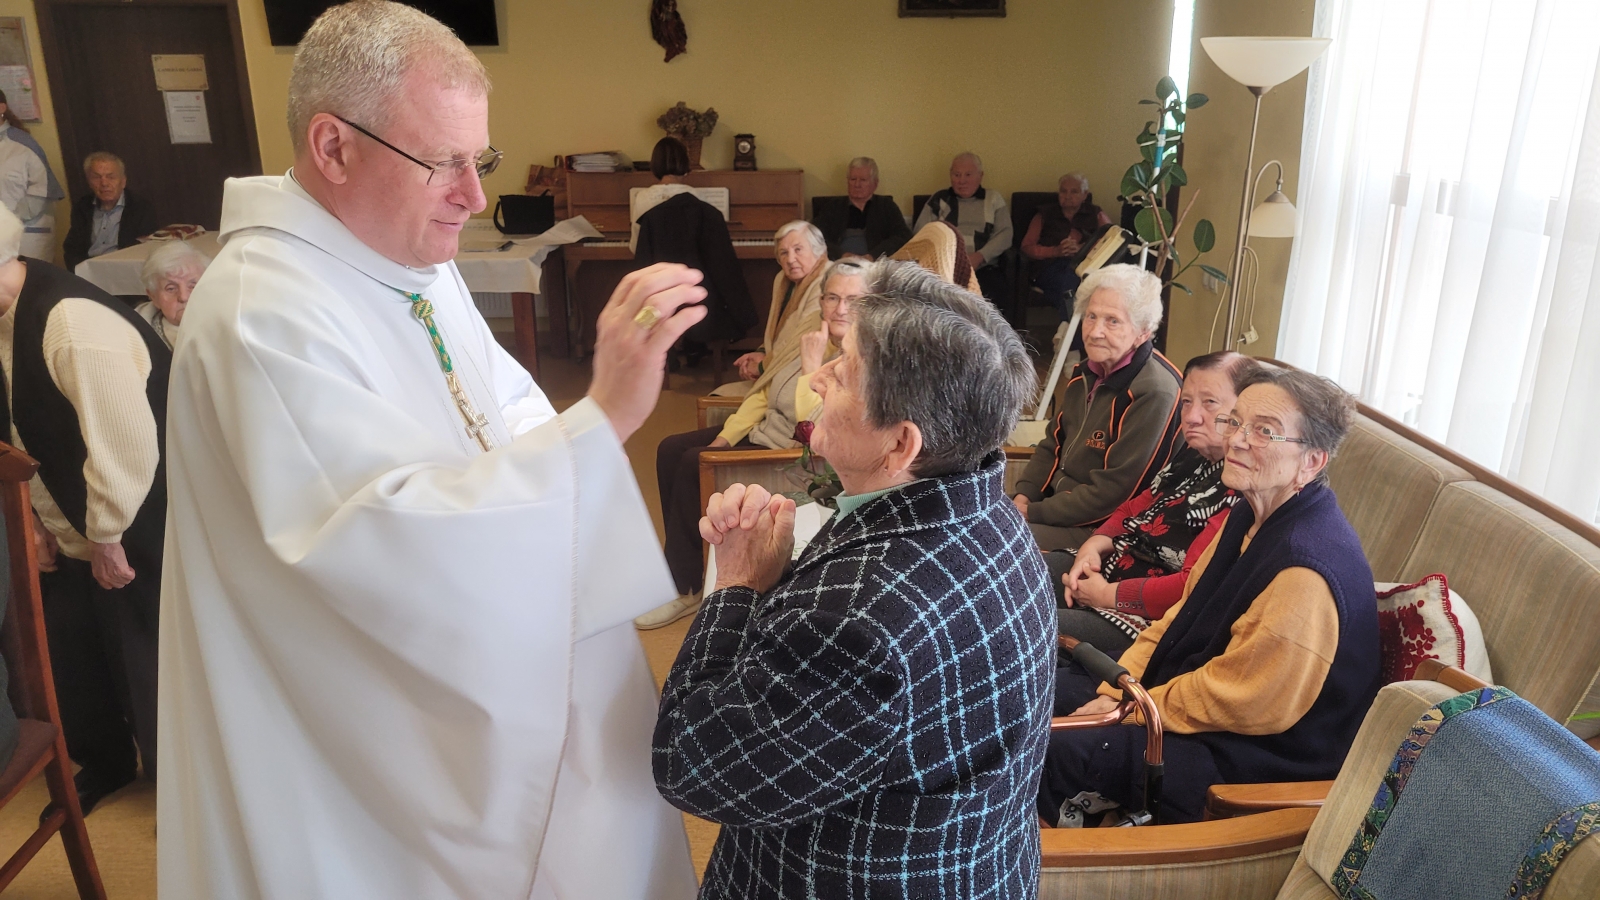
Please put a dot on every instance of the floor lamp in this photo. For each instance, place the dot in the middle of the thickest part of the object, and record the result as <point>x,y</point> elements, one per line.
<point>1260,64</point>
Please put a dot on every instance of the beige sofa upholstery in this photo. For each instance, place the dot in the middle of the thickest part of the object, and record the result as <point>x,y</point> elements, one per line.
<point>1386,485</point>
<point>1535,587</point>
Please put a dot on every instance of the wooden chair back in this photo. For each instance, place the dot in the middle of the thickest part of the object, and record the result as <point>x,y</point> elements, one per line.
<point>42,747</point>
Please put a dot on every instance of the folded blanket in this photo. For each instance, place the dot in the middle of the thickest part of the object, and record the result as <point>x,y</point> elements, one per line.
<point>1483,799</point>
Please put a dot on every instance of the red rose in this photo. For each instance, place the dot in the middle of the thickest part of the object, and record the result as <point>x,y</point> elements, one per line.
<point>802,432</point>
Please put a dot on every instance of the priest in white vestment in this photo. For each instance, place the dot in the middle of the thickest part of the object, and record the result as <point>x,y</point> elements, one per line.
<point>397,652</point>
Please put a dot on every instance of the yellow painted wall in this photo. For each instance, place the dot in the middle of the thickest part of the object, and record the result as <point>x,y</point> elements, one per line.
<point>1053,86</point>
<point>44,131</point>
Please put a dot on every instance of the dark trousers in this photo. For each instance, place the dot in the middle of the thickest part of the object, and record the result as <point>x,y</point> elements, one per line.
<point>1092,628</point>
<point>103,656</point>
<point>992,281</point>
<point>678,480</point>
<point>1057,278</point>
<point>1110,761</point>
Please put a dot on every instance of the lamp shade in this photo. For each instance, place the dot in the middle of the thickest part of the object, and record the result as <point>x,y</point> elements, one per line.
<point>1274,218</point>
<point>1263,62</point>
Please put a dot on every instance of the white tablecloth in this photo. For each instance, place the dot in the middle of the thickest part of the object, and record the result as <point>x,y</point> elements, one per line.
<point>513,270</point>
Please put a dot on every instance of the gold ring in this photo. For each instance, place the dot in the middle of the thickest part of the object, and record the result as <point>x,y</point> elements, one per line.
<point>647,317</point>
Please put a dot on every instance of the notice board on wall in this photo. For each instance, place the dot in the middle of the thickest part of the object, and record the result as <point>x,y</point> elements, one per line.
<point>16,69</point>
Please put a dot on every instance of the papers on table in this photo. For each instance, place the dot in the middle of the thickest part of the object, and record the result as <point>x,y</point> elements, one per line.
<point>608,161</point>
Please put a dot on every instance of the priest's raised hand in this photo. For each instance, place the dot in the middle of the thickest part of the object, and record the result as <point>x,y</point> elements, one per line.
<point>646,315</point>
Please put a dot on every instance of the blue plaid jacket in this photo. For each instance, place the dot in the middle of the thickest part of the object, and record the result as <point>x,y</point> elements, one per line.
<point>875,725</point>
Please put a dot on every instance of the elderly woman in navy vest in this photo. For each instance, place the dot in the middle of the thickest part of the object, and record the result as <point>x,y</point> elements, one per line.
<point>870,721</point>
<point>1264,670</point>
<point>88,393</point>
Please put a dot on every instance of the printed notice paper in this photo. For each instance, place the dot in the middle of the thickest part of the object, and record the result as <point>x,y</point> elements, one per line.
<point>186,117</point>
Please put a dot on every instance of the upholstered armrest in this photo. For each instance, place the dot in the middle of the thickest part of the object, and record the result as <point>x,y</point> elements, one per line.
<point>711,411</point>
<point>1224,801</point>
<point>1155,845</point>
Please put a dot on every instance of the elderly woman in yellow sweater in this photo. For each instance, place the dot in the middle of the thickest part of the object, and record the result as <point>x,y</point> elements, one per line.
<point>1266,666</point>
<point>780,398</point>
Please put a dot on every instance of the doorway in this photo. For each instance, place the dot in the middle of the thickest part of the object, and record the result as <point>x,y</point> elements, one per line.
<point>103,86</point>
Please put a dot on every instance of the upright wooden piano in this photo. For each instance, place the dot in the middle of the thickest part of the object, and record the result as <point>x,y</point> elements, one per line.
<point>759,203</point>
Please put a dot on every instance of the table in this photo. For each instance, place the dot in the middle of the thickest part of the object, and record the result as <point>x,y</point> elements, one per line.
<point>516,271</point>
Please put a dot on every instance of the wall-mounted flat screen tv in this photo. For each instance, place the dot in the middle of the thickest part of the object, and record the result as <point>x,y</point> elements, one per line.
<point>472,20</point>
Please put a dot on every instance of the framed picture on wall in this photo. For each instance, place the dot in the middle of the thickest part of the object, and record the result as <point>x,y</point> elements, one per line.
<point>952,8</point>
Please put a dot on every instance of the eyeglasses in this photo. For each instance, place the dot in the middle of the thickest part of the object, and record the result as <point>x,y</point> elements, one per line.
<point>1256,435</point>
<point>450,169</point>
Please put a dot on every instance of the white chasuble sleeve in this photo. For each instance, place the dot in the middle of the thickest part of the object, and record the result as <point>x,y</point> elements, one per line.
<point>371,640</point>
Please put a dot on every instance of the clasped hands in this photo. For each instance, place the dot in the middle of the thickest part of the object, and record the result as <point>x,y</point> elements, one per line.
<point>753,532</point>
<point>1084,584</point>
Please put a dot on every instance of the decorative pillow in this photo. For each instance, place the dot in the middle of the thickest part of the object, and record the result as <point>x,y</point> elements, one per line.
<point>1427,620</point>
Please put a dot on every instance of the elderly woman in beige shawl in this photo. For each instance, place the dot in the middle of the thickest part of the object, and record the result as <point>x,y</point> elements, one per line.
<point>939,249</point>
<point>780,398</point>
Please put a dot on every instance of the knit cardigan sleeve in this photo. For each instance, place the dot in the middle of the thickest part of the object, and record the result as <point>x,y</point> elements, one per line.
<point>101,366</point>
<point>1269,675</point>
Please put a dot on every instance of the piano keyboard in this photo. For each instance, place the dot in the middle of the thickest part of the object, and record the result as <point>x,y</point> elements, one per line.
<point>756,243</point>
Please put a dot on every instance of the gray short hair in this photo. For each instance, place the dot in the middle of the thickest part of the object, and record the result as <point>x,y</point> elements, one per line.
<point>10,235</point>
<point>850,268</point>
<point>100,156</point>
<point>944,359</point>
<point>1140,292</point>
<point>976,159</point>
<point>813,235</point>
<point>866,162</point>
<point>1079,177</point>
<point>1326,410</point>
<point>355,58</point>
<point>172,256</point>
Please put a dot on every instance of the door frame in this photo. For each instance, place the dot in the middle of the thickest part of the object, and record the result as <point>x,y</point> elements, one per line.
<point>57,67</point>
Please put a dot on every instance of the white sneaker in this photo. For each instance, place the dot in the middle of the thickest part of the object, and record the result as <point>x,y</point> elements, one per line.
<point>669,612</point>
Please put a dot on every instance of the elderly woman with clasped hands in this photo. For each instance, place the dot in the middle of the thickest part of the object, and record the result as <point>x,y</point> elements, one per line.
<point>802,709</point>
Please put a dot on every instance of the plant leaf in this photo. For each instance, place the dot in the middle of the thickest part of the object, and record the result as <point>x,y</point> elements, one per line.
<point>1166,87</point>
<point>1145,224</point>
<point>1183,287</point>
<point>1205,235</point>
<point>1150,102</point>
<point>1214,272</point>
<point>1176,174</point>
<point>1197,100</point>
<point>1130,184</point>
<point>1178,117</point>
<point>1148,151</point>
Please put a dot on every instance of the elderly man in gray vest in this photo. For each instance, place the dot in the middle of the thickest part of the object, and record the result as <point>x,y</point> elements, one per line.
<point>983,219</point>
<point>86,382</point>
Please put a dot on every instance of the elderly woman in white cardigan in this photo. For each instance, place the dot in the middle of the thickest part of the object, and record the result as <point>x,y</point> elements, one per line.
<point>169,277</point>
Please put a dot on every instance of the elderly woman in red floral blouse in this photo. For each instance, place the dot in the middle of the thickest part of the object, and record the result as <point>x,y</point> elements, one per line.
<point>1133,569</point>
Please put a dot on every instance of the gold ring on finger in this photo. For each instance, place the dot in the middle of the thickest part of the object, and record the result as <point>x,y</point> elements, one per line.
<point>647,317</point>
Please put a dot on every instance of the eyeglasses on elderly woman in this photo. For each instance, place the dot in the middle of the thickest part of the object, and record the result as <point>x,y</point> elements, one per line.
<point>1258,435</point>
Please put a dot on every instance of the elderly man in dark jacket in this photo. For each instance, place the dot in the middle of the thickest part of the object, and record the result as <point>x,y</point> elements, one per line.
<point>865,224</point>
<point>1119,422</point>
<point>870,723</point>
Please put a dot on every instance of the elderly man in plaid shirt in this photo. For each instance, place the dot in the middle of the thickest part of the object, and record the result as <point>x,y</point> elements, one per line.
<point>872,722</point>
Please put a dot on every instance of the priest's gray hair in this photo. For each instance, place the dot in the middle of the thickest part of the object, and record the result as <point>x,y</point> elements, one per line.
<point>10,236</point>
<point>866,162</point>
<point>169,258</point>
<point>354,60</point>
<point>813,235</point>
<point>943,358</point>
<point>1139,291</point>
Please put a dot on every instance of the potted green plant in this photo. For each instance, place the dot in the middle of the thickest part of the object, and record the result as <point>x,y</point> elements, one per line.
<point>1148,183</point>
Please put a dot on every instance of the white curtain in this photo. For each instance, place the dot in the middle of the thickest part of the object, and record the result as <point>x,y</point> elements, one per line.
<point>1446,265</point>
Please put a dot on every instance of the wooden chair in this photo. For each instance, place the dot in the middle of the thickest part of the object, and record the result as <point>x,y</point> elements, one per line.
<point>42,747</point>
